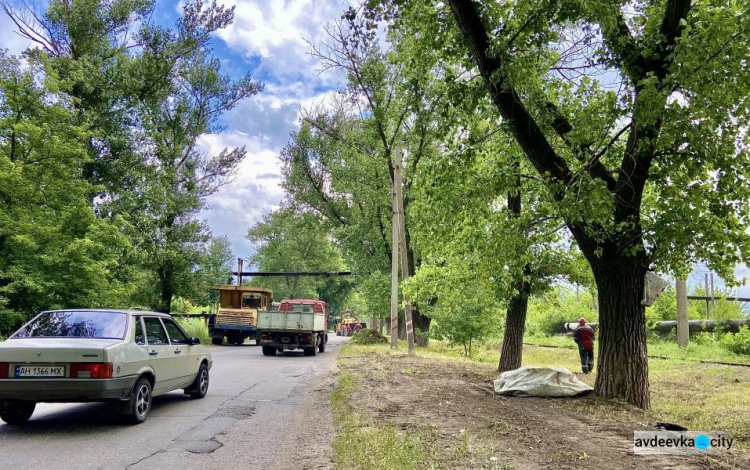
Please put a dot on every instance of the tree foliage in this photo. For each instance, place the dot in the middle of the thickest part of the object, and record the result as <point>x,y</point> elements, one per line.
<point>100,127</point>
<point>288,241</point>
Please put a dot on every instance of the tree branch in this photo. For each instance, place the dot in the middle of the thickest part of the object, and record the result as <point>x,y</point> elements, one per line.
<point>525,129</point>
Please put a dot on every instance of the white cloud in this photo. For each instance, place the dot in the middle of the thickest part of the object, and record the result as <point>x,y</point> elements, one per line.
<point>266,117</point>
<point>276,30</point>
<point>255,192</point>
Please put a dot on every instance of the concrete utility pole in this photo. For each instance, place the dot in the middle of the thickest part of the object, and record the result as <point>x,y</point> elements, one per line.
<point>683,330</point>
<point>394,272</point>
<point>707,304</point>
<point>405,272</point>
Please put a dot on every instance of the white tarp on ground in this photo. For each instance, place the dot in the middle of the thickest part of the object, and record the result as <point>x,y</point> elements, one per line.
<point>533,381</point>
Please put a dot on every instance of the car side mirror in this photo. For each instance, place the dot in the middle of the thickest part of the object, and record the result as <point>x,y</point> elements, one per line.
<point>195,340</point>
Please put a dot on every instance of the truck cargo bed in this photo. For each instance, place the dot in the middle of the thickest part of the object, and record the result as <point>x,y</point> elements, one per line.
<point>291,321</point>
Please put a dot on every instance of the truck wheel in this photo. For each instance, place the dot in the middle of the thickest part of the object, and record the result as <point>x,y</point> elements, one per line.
<point>322,343</point>
<point>17,413</point>
<point>217,341</point>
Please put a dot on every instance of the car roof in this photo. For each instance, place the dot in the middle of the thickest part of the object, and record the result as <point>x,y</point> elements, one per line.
<point>111,310</point>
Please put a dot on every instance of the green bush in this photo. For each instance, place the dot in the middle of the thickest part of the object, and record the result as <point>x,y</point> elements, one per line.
<point>195,327</point>
<point>738,343</point>
<point>549,311</point>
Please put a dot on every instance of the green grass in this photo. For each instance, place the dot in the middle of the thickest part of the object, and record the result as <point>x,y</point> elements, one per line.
<point>195,327</point>
<point>702,347</point>
<point>365,444</point>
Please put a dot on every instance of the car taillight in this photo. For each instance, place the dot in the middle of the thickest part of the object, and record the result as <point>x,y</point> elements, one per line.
<point>4,368</point>
<point>98,370</point>
<point>265,337</point>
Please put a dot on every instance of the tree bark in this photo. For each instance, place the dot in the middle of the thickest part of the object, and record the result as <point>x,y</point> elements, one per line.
<point>515,319</point>
<point>622,370</point>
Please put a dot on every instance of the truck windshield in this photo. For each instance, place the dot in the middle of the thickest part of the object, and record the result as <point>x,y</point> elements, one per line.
<point>304,308</point>
<point>251,301</point>
<point>83,324</point>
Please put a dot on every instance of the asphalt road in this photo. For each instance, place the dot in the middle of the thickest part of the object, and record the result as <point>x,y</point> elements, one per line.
<point>260,413</point>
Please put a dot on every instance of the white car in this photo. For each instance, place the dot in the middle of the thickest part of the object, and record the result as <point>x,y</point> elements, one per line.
<point>120,356</point>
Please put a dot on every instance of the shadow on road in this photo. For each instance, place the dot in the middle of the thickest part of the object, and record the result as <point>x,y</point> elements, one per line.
<point>84,418</point>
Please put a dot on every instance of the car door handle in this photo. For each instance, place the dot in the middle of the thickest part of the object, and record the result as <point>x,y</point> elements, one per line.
<point>153,352</point>
<point>177,351</point>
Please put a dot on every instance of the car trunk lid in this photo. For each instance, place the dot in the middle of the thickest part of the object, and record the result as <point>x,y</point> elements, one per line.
<point>55,350</point>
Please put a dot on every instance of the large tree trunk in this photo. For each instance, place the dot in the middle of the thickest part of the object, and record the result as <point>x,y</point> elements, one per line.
<point>622,370</point>
<point>515,319</point>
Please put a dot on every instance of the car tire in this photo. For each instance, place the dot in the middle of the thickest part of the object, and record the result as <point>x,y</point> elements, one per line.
<point>217,341</point>
<point>322,345</point>
<point>139,405</point>
<point>17,413</point>
<point>200,386</point>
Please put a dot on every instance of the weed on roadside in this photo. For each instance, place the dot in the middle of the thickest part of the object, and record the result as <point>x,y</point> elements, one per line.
<point>362,443</point>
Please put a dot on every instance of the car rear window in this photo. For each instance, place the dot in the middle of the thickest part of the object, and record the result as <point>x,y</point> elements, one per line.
<point>106,325</point>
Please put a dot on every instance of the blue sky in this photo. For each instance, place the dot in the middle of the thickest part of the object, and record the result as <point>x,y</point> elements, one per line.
<point>266,39</point>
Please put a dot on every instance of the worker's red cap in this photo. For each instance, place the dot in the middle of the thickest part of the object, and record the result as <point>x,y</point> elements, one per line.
<point>581,320</point>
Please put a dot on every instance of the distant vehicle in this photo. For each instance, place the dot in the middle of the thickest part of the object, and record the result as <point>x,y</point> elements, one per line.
<point>121,356</point>
<point>298,324</point>
<point>237,317</point>
<point>347,319</point>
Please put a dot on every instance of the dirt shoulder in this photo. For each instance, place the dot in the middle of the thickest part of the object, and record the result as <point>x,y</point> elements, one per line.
<point>450,405</point>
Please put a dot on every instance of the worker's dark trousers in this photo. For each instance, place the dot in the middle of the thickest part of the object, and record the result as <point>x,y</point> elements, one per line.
<point>587,360</point>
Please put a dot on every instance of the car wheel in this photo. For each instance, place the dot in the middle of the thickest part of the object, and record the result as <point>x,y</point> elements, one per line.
<point>17,413</point>
<point>140,401</point>
<point>200,386</point>
<point>217,341</point>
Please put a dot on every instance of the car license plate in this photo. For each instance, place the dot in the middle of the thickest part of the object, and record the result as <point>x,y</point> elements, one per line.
<point>40,371</point>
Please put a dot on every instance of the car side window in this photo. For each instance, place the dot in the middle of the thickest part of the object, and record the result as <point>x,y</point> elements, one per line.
<point>155,333</point>
<point>175,332</point>
<point>140,338</point>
